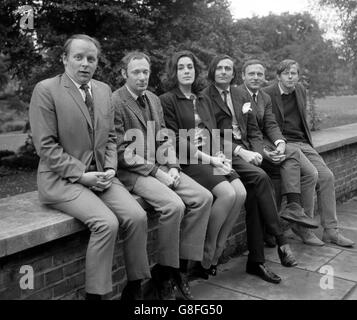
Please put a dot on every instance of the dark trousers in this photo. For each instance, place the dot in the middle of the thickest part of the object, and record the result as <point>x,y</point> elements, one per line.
<point>261,209</point>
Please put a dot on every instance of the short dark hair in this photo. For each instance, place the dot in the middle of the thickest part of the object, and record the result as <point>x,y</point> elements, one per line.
<point>171,81</point>
<point>286,64</point>
<point>133,55</point>
<point>84,37</point>
<point>251,62</point>
<point>213,66</point>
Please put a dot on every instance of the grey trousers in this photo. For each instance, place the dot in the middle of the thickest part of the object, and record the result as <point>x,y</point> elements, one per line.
<point>184,214</point>
<point>104,213</point>
<point>326,198</point>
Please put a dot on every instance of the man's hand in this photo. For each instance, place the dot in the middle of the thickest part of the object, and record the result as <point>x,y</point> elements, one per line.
<point>222,164</point>
<point>281,148</point>
<point>106,179</point>
<point>273,156</point>
<point>251,157</point>
<point>175,174</point>
<point>97,181</point>
<point>165,178</point>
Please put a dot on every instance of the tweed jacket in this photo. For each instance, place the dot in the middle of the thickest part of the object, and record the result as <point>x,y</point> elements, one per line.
<point>137,140</point>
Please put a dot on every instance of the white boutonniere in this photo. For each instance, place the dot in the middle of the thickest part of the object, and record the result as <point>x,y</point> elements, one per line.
<point>246,108</point>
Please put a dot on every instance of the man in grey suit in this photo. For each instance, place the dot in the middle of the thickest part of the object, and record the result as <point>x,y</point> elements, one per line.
<point>289,106</point>
<point>72,121</point>
<point>183,204</point>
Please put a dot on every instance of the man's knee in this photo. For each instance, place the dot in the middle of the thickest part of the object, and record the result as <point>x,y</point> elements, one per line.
<point>326,176</point>
<point>108,225</point>
<point>138,217</point>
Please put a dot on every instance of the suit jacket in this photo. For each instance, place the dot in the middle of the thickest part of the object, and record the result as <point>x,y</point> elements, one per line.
<point>252,138</point>
<point>265,116</point>
<point>138,158</point>
<point>278,107</point>
<point>62,133</point>
<point>179,114</point>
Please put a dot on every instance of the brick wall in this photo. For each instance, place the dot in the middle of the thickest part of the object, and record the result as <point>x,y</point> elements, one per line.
<point>59,265</point>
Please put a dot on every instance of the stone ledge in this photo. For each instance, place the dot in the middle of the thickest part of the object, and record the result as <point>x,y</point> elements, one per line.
<point>25,223</point>
<point>333,138</point>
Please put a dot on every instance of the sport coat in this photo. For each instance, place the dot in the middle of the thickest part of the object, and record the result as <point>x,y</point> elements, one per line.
<point>63,136</point>
<point>129,123</point>
<point>278,107</point>
<point>252,138</point>
<point>265,116</point>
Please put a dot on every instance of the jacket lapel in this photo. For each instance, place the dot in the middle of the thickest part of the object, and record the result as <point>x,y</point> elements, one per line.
<point>215,96</point>
<point>77,97</point>
<point>279,101</point>
<point>133,106</point>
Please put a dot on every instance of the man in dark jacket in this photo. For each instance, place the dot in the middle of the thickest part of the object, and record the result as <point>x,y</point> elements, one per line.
<point>247,148</point>
<point>297,181</point>
<point>289,106</point>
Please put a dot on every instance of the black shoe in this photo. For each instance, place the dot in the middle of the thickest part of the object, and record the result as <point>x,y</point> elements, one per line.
<point>287,258</point>
<point>269,240</point>
<point>164,287</point>
<point>262,271</point>
<point>93,297</point>
<point>199,272</point>
<point>295,213</point>
<point>212,271</point>
<point>131,293</point>
<point>183,287</point>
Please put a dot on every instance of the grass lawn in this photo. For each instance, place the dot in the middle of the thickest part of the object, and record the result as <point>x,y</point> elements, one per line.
<point>337,111</point>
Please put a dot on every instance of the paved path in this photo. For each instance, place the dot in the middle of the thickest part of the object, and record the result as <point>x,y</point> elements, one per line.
<point>299,283</point>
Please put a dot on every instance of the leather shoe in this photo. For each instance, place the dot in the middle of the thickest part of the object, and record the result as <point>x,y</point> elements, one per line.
<point>131,293</point>
<point>262,271</point>
<point>164,287</point>
<point>307,236</point>
<point>333,236</point>
<point>199,271</point>
<point>295,213</point>
<point>183,291</point>
<point>287,258</point>
<point>212,270</point>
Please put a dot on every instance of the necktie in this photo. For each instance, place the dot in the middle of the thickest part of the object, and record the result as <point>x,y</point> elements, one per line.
<point>225,93</point>
<point>141,101</point>
<point>88,101</point>
<point>254,97</point>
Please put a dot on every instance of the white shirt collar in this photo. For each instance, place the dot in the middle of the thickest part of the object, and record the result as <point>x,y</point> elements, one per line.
<point>251,93</point>
<point>78,85</point>
<point>282,91</point>
<point>134,95</point>
<point>221,90</point>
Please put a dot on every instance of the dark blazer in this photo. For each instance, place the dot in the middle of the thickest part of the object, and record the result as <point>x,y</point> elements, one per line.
<point>264,113</point>
<point>179,114</point>
<point>62,133</point>
<point>278,107</point>
<point>252,138</point>
<point>128,116</point>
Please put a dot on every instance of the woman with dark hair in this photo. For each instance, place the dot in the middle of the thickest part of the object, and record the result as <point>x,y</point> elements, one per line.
<point>185,108</point>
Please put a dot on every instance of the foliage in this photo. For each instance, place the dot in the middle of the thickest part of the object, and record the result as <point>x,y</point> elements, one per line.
<point>160,27</point>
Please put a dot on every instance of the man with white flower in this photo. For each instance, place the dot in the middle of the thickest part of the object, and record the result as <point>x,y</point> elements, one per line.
<point>281,160</point>
<point>246,149</point>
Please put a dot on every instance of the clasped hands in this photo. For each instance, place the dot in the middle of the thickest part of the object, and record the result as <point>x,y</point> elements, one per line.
<point>170,179</point>
<point>97,181</point>
<point>276,156</point>
<point>222,164</point>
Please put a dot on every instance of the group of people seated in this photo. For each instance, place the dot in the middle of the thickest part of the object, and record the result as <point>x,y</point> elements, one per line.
<point>197,154</point>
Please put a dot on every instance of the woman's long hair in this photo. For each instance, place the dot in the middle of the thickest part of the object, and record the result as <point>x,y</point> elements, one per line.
<point>170,80</point>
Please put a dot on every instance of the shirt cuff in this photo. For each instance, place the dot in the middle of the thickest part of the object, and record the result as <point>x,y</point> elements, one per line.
<point>279,141</point>
<point>237,150</point>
